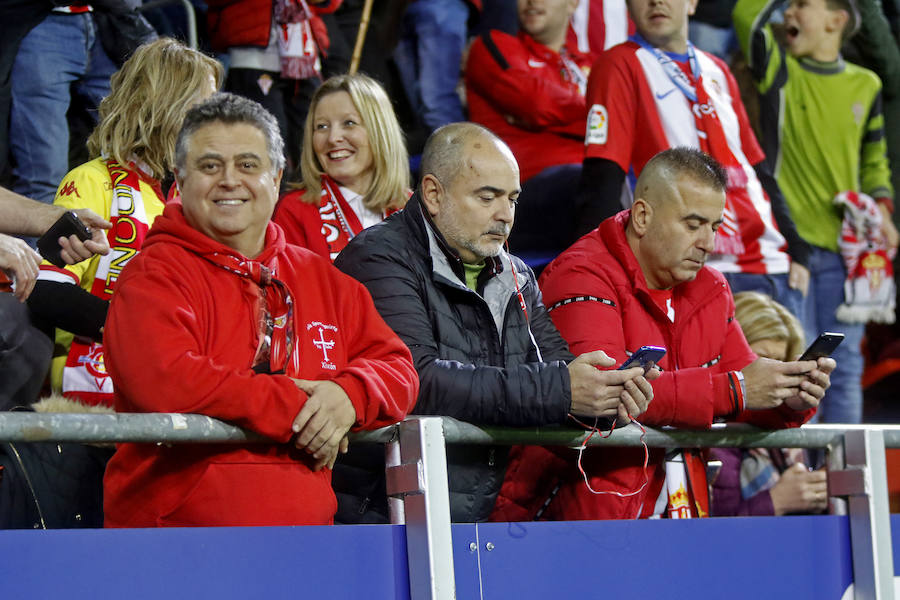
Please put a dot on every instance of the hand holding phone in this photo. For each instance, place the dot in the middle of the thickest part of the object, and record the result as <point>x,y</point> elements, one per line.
<point>823,345</point>
<point>68,224</point>
<point>646,357</point>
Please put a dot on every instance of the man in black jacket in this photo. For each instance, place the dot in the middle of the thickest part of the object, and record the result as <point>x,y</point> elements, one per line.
<point>484,347</point>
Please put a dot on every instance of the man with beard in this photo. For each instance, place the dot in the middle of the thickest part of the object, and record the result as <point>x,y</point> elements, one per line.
<point>482,343</point>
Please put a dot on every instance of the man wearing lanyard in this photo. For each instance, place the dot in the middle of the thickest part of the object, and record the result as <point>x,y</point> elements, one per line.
<point>656,91</point>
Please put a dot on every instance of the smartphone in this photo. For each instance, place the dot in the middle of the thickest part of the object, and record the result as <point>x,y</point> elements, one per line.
<point>68,224</point>
<point>645,356</point>
<point>824,345</point>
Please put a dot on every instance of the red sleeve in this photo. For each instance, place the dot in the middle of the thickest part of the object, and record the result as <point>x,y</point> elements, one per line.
<point>497,69</point>
<point>689,397</point>
<point>379,377</point>
<point>682,398</point>
<point>612,101</point>
<point>301,223</point>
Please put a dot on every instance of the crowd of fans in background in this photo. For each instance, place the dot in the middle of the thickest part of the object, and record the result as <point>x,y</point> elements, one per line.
<point>573,99</point>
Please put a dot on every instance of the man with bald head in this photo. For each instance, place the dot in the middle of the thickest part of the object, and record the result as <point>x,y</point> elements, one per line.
<point>482,343</point>
<point>639,279</point>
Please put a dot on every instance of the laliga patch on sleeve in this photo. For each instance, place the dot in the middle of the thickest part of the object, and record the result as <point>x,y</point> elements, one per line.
<point>597,125</point>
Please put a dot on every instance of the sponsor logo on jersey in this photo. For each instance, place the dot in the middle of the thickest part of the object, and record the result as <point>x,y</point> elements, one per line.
<point>536,64</point>
<point>597,125</point>
<point>664,94</point>
<point>68,189</point>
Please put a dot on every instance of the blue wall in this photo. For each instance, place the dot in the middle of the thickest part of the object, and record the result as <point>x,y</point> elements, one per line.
<point>736,558</point>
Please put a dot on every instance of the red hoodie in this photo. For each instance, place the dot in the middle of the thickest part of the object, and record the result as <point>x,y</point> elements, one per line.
<point>180,337</point>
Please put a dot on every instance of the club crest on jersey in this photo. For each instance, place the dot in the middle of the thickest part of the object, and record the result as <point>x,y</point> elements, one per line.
<point>324,341</point>
<point>679,504</point>
<point>597,125</point>
<point>94,363</point>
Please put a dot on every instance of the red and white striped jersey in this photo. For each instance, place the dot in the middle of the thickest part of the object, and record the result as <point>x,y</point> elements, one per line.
<point>636,111</point>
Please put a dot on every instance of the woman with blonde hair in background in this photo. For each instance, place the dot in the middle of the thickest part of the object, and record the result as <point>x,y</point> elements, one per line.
<point>133,146</point>
<point>354,165</point>
<point>766,481</point>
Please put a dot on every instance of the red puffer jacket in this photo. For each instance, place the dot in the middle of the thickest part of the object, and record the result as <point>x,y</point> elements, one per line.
<point>249,22</point>
<point>614,312</point>
<point>522,91</point>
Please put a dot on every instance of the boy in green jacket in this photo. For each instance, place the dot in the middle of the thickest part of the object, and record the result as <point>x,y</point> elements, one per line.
<point>823,131</point>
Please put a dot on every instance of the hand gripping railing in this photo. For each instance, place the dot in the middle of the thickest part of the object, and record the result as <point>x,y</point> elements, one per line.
<point>417,472</point>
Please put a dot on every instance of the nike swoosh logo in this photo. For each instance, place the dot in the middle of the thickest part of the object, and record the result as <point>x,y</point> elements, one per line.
<point>536,64</point>
<point>661,96</point>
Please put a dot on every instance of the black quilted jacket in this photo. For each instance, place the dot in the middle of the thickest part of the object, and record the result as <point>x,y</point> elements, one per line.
<point>474,354</point>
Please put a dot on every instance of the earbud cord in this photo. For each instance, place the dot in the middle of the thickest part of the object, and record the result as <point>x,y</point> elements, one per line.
<point>522,305</point>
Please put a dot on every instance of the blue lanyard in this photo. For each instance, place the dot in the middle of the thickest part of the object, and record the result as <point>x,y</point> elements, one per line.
<point>672,70</point>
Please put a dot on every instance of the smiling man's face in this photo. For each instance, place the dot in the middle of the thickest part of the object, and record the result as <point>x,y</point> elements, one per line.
<point>228,185</point>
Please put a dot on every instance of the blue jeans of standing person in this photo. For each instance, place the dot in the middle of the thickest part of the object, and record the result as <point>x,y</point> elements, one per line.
<point>774,286</point>
<point>843,400</point>
<point>428,57</point>
<point>60,57</point>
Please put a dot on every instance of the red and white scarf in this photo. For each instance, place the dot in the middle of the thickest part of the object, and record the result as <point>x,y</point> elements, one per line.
<point>869,291</point>
<point>275,352</point>
<point>712,140</point>
<point>296,42</point>
<point>340,223</point>
<point>84,375</point>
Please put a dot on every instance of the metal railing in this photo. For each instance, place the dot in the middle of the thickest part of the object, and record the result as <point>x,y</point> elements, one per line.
<point>417,472</point>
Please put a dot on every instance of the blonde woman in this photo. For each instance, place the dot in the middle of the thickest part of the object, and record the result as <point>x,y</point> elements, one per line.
<point>767,481</point>
<point>354,166</point>
<point>133,147</point>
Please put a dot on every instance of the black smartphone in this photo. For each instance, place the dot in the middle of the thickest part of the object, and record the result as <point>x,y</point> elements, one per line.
<point>824,345</point>
<point>68,224</point>
<point>645,356</point>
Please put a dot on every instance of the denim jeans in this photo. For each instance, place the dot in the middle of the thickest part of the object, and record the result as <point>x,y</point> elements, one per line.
<point>60,57</point>
<point>775,286</point>
<point>428,56</point>
<point>843,400</point>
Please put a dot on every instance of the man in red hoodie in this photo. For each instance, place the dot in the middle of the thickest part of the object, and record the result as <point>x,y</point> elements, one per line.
<point>640,279</point>
<point>219,316</point>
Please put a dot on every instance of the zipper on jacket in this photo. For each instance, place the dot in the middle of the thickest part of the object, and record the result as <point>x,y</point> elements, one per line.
<point>30,486</point>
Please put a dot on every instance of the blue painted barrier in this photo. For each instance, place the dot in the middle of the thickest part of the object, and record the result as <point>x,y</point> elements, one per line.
<point>736,558</point>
